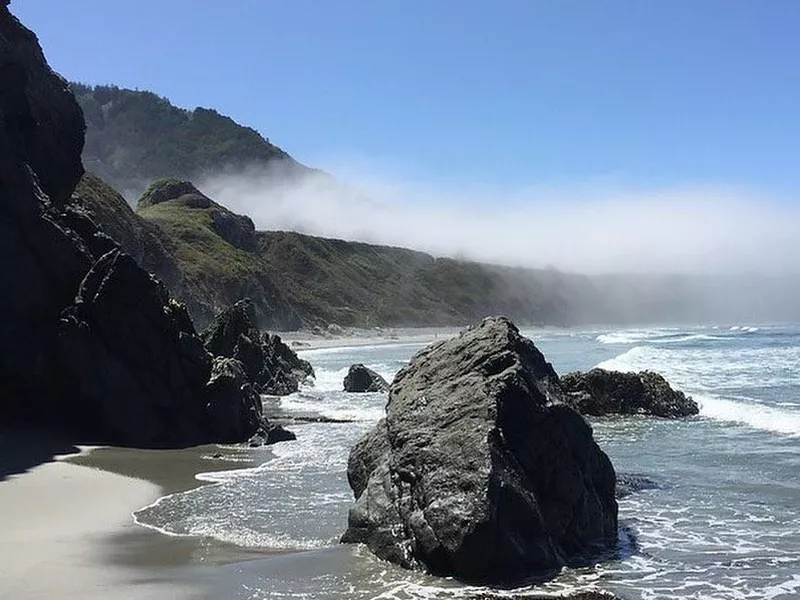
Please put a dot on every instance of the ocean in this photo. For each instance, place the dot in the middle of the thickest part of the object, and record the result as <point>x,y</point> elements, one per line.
<point>722,520</point>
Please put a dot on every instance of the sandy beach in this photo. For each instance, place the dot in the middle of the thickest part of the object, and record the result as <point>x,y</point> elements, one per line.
<point>58,523</point>
<point>67,529</point>
<point>354,337</point>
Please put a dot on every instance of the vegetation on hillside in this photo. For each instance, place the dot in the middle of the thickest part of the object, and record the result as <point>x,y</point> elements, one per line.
<point>353,283</point>
<point>299,279</point>
<point>134,137</point>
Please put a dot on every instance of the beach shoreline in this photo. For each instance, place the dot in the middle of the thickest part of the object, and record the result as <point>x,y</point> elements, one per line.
<point>68,510</point>
<point>68,515</point>
<point>305,339</point>
<point>61,522</point>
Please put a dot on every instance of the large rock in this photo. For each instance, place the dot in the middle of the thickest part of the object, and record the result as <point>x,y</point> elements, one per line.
<point>41,260</point>
<point>89,342</point>
<point>270,365</point>
<point>361,379</point>
<point>599,392</point>
<point>143,377</point>
<point>479,470</point>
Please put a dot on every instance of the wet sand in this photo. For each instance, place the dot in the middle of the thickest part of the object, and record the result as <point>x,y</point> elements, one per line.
<point>67,528</point>
<point>59,523</point>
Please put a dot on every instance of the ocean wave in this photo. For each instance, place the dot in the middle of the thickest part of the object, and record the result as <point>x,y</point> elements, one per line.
<point>296,500</point>
<point>758,416</point>
<point>338,406</point>
<point>633,336</point>
<point>706,374</point>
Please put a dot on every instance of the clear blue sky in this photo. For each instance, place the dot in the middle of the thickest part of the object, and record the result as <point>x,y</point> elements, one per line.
<point>648,92</point>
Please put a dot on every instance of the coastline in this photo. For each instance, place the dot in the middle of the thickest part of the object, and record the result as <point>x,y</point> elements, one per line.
<point>67,511</point>
<point>304,339</point>
<point>61,522</point>
<point>68,516</point>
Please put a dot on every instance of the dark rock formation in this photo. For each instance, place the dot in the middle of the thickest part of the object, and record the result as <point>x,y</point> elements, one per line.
<point>361,379</point>
<point>133,360</point>
<point>89,342</point>
<point>270,365</point>
<point>478,469</point>
<point>43,262</point>
<point>229,380</point>
<point>599,392</point>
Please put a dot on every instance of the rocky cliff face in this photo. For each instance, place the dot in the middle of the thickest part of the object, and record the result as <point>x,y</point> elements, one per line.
<point>89,342</point>
<point>41,137</point>
<point>479,470</point>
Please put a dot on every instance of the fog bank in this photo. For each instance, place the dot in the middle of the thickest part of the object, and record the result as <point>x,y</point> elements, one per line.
<point>586,229</point>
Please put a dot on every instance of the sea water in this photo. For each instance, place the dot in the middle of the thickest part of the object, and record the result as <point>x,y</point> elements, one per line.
<point>722,522</point>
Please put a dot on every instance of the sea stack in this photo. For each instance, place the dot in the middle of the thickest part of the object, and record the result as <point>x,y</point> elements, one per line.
<point>480,470</point>
<point>361,379</point>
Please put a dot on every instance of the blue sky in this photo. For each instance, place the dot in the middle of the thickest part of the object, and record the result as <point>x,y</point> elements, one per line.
<point>644,93</point>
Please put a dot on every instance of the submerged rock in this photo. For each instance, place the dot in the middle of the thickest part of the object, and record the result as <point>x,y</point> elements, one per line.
<point>599,392</point>
<point>271,366</point>
<point>361,379</point>
<point>479,470</point>
<point>630,483</point>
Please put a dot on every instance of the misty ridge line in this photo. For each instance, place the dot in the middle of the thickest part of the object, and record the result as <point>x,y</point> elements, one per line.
<point>702,230</point>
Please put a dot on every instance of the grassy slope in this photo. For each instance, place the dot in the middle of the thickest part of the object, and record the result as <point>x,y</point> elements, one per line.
<point>353,283</point>
<point>323,280</point>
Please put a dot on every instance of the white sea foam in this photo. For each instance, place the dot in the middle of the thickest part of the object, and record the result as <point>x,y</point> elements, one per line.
<point>630,336</point>
<point>338,406</point>
<point>706,374</point>
<point>753,414</point>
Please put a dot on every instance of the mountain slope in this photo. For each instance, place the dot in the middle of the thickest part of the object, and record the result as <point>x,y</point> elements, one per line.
<point>134,137</point>
<point>193,245</point>
<point>361,284</point>
<point>210,257</point>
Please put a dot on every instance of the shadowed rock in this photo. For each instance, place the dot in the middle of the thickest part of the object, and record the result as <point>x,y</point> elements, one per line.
<point>599,392</point>
<point>361,379</point>
<point>270,365</point>
<point>132,357</point>
<point>90,344</point>
<point>479,470</point>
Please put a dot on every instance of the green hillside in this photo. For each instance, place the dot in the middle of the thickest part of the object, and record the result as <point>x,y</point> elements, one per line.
<point>210,257</point>
<point>135,137</point>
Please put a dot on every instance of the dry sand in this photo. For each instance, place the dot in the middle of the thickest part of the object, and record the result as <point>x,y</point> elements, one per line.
<point>57,525</point>
<point>67,528</point>
<point>307,340</point>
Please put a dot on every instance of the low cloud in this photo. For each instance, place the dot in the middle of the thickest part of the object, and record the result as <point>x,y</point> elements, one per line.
<point>592,228</point>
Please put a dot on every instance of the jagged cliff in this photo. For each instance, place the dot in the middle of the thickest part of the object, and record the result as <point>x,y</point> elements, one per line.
<point>90,342</point>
